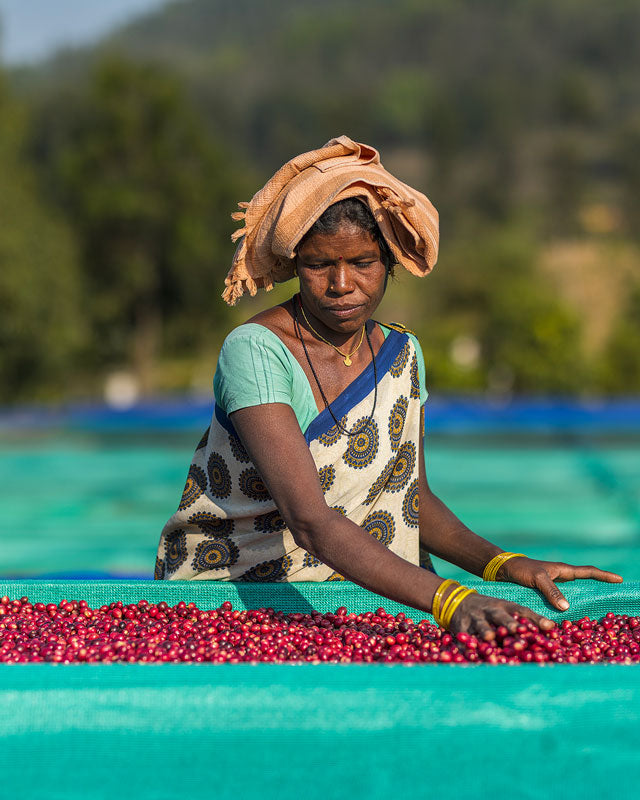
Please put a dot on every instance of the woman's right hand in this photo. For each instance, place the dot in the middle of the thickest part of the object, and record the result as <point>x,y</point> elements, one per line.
<point>480,615</point>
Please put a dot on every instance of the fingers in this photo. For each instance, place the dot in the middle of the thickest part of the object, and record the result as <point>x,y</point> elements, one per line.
<point>560,571</point>
<point>483,630</point>
<point>481,615</point>
<point>551,591</point>
<point>586,572</point>
<point>544,623</point>
<point>505,615</point>
<point>471,617</point>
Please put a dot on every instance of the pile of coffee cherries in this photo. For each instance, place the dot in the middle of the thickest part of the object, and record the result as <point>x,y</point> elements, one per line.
<point>72,632</point>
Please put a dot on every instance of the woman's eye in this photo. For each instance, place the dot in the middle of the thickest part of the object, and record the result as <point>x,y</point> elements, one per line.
<point>327,264</point>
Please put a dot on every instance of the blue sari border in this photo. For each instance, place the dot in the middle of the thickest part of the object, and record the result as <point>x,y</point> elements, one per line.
<point>224,420</point>
<point>360,387</point>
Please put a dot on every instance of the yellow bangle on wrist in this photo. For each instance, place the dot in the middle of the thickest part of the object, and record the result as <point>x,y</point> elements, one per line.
<point>452,604</point>
<point>437,597</point>
<point>447,604</point>
<point>492,568</point>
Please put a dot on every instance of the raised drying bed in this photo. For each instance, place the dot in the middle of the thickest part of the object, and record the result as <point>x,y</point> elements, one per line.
<point>320,731</point>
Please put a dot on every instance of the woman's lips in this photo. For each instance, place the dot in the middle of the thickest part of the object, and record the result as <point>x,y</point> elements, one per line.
<point>343,311</point>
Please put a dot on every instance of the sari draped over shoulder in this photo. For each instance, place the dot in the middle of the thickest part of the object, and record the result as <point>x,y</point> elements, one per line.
<point>227,526</point>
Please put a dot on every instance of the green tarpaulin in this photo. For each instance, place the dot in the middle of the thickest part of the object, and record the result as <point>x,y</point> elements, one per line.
<point>317,731</point>
<point>89,503</point>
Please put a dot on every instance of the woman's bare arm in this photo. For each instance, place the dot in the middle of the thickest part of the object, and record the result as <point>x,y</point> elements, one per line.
<point>445,536</point>
<point>274,441</point>
<point>272,437</point>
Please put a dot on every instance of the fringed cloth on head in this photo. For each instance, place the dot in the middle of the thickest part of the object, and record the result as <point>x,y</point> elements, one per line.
<point>281,213</point>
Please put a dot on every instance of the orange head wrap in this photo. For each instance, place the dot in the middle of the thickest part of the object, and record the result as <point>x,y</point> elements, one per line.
<point>281,213</point>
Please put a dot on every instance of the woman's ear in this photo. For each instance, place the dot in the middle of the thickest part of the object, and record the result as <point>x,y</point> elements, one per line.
<point>389,272</point>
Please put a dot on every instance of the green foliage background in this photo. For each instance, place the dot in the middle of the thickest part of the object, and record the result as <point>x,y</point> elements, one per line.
<point>120,165</point>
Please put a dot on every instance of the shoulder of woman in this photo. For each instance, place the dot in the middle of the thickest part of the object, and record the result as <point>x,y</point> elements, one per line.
<point>254,367</point>
<point>274,318</point>
<point>398,326</point>
<point>253,347</point>
<point>252,334</point>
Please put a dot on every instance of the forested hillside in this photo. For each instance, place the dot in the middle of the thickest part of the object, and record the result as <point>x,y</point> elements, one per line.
<point>518,119</point>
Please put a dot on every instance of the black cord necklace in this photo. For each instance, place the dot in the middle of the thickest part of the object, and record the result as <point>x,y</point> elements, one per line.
<point>339,425</point>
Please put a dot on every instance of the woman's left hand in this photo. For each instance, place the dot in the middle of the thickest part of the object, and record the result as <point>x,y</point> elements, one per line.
<point>543,575</point>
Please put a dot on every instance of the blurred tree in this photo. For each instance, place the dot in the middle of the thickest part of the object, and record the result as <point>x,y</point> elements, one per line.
<point>150,193</point>
<point>575,97</point>
<point>566,180</point>
<point>41,327</point>
<point>531,341</point>
<point>445,131</point>
<point>401,104</point>
<point>527,340</point>
<point>620,364</point>
<point>509,110</point>
<point>626,149</point>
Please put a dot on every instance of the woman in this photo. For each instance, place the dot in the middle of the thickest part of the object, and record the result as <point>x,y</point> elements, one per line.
<point>313,466</point>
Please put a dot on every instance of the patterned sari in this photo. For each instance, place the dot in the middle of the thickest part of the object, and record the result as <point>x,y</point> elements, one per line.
<point>227,526</point>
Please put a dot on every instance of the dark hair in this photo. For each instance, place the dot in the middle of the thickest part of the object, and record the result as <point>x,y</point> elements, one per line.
<point>354,211</point>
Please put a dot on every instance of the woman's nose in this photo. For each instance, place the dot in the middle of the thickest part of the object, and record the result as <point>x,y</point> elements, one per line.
<point>341,279</point>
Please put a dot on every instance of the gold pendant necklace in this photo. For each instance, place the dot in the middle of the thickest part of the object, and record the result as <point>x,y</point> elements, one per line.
<point>346,356</point>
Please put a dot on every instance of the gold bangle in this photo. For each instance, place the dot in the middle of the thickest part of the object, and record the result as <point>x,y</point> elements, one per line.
<point>443,613</point>
<point>452,607</point>
<point>437,597</point>
<point>492,568</point>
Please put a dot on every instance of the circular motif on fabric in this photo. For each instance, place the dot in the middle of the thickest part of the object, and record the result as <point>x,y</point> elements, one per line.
<point>175,550</point>
<point>333,434</point>
<point>215,553</point>
<point>400,362</point>
<point>403,468</point>
<point>415,378</point>
<point>158,572</point>
<point>363,446</point>
<point>252,485</point>
<point>268,571</point>
<point>341,510</point>
<point>310,561</point>
<point>397,419</point>
<point>195,486</point>
<point>219,478</point>
<point>237,448</point>
<point>269,523</point>
<point>380,525</point>
<point>411,505</point>
<point>205,438</point>
<point>380,482</point>
<point>327,476</point>
<point>211,525</point>
<point>335,576</point>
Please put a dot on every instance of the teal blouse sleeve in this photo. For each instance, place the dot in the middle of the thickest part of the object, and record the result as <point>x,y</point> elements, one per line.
<point>255,367</point>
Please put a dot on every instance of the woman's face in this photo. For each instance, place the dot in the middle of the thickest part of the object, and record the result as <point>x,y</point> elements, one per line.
<point>342,278</point>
